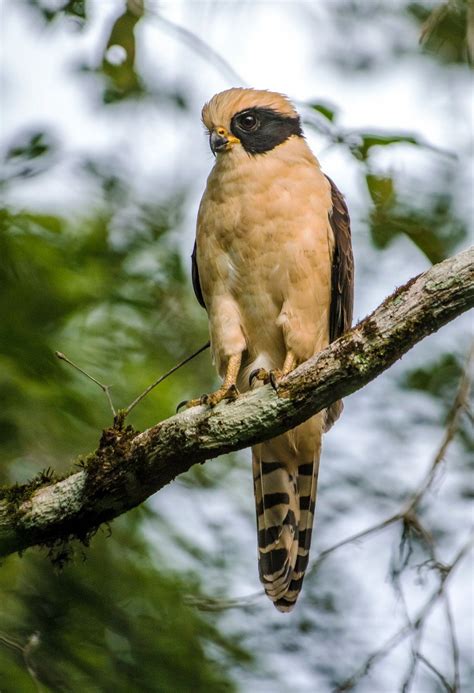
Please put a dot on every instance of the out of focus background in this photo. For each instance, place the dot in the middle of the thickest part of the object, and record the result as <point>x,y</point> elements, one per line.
<point>104,160</point>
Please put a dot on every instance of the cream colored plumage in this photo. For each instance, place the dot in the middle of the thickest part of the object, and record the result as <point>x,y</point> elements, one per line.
<point>264,269</point>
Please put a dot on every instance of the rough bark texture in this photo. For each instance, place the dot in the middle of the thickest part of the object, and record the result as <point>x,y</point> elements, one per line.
<point>128,467</point>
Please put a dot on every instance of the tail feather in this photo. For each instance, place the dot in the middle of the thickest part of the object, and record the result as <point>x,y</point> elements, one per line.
<point>285,495</point>
<point>307,485</point>
<point>277,525</point>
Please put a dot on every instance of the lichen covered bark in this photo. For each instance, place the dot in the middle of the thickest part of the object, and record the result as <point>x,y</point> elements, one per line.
<point>128,467</point>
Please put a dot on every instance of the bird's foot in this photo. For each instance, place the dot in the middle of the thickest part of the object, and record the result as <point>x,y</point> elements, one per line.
<point>261,374</point>
<point>275,377</point>
<point>229,393</point>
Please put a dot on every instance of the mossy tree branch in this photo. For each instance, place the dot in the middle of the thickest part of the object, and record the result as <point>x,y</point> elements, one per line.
<point>127,467</point>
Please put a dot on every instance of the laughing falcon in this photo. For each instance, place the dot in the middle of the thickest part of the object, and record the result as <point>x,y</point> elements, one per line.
<point>272,265</point>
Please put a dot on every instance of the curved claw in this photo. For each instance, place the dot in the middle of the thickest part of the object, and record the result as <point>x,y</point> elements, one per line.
<point>275,377</point>
<point>188,403</point>
<point>259,374</point>
<point>231,393</point>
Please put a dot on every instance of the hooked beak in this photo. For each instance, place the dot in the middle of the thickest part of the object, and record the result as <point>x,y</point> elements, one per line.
<point>220,140</point>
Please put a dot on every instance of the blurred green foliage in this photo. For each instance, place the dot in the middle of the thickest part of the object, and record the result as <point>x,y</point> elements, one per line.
<point>329,111</point>
<point>123,80</point>
<point>367,140</point>
<point>99,296</point>
<point>30,154</point>
<point>69,8</point>
<point>114,623</point>
<point>439,379</point>
<point>423,210</point>
<point>430,221</point>
<point>444,29</point>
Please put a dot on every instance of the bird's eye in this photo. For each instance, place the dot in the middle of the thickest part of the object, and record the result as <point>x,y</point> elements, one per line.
<point>248,122</point>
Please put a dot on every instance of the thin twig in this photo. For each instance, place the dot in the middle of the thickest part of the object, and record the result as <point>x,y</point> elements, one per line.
<point>454,642</point>
<point>163,377</point>
<point>104,388</point>
<point>437,673</point>
<point>210,604</point>
<point>459,405</point>
<point>410,626</point>
<point>354,538</point>
<point>8,641</point>
<point>25,651</point>
<point>411,520</point>
<point>415,654</point>
<point>415,644</point>
<point>32,644</point>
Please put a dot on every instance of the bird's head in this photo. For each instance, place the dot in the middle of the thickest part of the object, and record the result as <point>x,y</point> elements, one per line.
<point>249,119</point>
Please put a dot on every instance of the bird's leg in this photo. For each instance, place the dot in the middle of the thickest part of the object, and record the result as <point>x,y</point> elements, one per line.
<point>275,375</point>
<point>278,373</point>
<point>228,389</point>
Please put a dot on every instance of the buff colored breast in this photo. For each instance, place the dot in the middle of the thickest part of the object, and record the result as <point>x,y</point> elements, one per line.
<point>265,245</point>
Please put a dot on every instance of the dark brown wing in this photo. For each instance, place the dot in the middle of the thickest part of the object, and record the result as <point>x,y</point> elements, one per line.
<point>342,278</point>
<point>342,281</point>
<point>195,278</point>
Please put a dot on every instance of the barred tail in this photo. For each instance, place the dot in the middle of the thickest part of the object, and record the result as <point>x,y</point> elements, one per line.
<point>285,472</point>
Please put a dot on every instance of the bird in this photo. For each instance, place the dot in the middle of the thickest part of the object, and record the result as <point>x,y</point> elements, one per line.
<point>273,266</point>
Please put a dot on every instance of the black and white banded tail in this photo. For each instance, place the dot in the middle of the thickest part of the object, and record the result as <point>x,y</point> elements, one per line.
<point>285,472</point>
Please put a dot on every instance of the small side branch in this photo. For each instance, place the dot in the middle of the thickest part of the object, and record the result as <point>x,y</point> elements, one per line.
<point>159,380</point>
<point>104,388</point>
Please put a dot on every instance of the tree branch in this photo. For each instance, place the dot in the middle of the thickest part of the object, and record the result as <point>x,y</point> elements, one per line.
<point>128,467</point>
<point>444,573</point>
